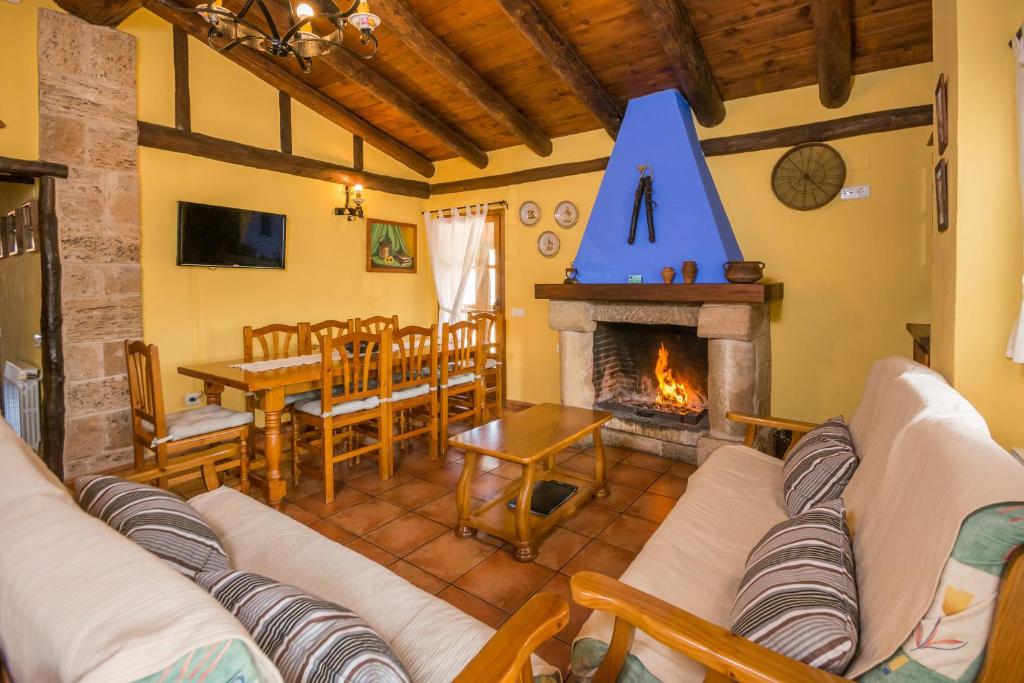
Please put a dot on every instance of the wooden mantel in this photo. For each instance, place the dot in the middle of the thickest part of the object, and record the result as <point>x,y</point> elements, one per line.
<point>757,293</point>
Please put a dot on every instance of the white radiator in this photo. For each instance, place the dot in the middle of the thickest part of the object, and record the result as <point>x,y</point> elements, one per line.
<point>21,401</point>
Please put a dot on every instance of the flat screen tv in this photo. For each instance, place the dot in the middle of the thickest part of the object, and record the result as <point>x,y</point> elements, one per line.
<point>222,237</point>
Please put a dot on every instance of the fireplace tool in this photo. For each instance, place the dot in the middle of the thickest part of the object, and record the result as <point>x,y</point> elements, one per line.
<point>645,192</point>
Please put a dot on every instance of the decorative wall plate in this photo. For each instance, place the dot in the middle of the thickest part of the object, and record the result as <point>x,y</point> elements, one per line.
<point>529,214</point>
<point>548,243</point>
<point>566,214</point>
<point>808,176</point>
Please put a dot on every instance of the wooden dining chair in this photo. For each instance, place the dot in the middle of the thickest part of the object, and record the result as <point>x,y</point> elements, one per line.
<point>460,386</point>
<point>492,341</point>
<point>376,324</point>
<point>326,330</point>
<point>274,342</point>
<point>358,402</point>
<point>186,444</point>
<point>413,399</point>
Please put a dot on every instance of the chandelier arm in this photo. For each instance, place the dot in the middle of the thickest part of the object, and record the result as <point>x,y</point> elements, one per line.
<point>268,17</point>
<point>305,63</point>
<point>367,38</point>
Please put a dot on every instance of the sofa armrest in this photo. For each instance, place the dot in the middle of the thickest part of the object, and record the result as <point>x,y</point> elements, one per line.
<point>754,421</point>
<point>506,656</point>
<point>734,657</point>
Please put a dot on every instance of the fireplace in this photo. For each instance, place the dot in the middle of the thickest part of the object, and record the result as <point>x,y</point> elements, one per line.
<point>657,374</point>
<point>618,352</point>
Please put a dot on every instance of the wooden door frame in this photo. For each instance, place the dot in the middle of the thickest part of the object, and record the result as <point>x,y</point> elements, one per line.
<point>498,216</point>
<point>51,310</point>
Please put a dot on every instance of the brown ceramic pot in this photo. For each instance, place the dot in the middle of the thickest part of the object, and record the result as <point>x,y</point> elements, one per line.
<point>744,271</point>
<point>668,274</point>
<point>689,272</point>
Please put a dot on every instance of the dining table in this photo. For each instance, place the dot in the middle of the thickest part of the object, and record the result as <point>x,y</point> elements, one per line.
<point>272,385</point>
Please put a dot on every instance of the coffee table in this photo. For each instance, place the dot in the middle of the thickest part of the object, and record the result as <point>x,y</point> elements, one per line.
<point>528,439</point>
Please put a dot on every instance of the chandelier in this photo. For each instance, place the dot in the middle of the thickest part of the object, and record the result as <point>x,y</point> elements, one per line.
<point>297,39</point>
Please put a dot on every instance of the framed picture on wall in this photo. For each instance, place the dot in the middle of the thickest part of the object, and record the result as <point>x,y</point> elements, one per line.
<point>11,233</point>
<point>942,113</point>
<point>390,246</point>
<point>26,227</point>
<point>942,195</point>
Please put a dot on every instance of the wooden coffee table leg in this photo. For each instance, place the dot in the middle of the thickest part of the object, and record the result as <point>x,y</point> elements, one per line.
<point>462,499</point>
<point>525,552</point>
<point>599,465</point>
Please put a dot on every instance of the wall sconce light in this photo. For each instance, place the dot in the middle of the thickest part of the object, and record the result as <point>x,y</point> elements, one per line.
<point>353,208</point>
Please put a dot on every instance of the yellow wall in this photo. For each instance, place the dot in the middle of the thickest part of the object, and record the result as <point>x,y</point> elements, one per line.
<point>983,251</point>
<point>20,290</point>
<point>197,314</point>
<point>855,272</point>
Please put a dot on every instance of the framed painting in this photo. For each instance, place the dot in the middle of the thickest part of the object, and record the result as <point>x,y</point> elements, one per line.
<point>942,195</point>
<point>26,226</point>
<point>390,246</point>
<point>11,234</point>
<point>942,113</point>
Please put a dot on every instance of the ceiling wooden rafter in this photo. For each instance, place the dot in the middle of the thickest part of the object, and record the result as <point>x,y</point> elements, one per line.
<point>563,60</point>
<point>273,73</point>
<point>400,19</point>
<point>464,77</point>
<point>682,47</point>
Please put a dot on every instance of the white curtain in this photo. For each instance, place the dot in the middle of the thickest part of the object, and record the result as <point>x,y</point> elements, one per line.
<point>1015,349</point>
<point>458,256</point>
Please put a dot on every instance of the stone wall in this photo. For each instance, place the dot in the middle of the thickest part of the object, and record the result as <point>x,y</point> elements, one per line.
<point>87,120</point>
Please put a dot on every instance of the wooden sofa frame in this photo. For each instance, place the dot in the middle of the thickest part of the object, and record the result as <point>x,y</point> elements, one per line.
<point>733,658</point>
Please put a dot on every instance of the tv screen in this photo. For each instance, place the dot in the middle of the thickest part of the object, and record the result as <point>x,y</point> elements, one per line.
<point>218,236</point>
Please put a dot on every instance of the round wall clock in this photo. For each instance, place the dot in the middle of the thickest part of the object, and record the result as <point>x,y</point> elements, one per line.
<point>529,214</point>
<point>808,176</point>
<point>548,244</point>
<point>566,214</point>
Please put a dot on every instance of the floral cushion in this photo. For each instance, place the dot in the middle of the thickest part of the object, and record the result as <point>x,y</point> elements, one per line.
<point>949,642</point>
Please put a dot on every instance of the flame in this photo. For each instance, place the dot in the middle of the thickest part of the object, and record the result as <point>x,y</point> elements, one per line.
<point>671,391</point>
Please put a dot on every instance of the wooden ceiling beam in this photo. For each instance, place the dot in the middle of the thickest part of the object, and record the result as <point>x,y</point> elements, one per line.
<point>267,69</point>
<point>681,44</point>
<point>185,142</point>
<point>410,30</point>
<point>564,60</point>
<point>833,34</point>
<point>100,12</point>
<point>355,69</point>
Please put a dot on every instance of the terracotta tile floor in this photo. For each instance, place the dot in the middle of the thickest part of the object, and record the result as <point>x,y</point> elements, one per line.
<point>406,525</point>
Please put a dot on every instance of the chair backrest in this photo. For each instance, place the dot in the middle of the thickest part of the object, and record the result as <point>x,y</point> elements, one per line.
<point>414,357</point>
<point>377,324</point>
<point>145,389</point>
<point>349,365</point>
<point>460,349</point>
<point>274,341</point>
<point>491,332</point>
<point>326,330</point>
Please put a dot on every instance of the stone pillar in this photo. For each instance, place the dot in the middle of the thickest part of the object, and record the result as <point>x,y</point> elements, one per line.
<point>87,120</point>
<point>575,323</point>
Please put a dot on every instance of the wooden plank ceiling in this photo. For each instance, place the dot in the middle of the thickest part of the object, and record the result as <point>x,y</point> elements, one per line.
<point>752,46</point>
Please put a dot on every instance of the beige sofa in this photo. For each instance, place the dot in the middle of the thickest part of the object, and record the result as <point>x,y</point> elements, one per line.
<point>927,462</point>
<point>79,602</point>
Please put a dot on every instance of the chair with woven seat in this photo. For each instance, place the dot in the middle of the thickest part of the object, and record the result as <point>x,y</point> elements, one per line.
<point>376,324</point>
<point>460,387</point>
<point>413,399</point>
<point>186,444</point>
<point>349,365</point>
<point>274,342</point>
<point>492,340</point>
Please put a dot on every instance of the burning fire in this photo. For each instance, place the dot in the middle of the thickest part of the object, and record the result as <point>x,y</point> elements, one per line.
<point>672,391</point>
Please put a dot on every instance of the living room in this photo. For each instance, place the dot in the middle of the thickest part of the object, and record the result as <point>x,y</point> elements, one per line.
<point>598,243</point>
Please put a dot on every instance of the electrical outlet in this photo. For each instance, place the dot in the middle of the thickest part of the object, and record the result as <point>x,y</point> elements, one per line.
<point>193,398</point>
<point>855,192</point>
<point>518,312</point>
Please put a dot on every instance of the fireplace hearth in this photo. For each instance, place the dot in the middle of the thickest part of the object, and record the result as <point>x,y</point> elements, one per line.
<point>656,374</point>
<point>667,370</point>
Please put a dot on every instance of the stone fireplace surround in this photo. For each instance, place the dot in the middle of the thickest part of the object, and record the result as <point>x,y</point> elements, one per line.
<point>739,368</point>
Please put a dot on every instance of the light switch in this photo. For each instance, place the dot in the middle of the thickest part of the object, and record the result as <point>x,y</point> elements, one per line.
<point>37,341</point>
<point>855,192</point>
<point>518,312</point>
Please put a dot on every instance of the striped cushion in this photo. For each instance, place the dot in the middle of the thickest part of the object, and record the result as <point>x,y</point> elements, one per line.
<point>159,521</point>
<point>309,639</point>
<point>819,467</point>
<point>798,595</point>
